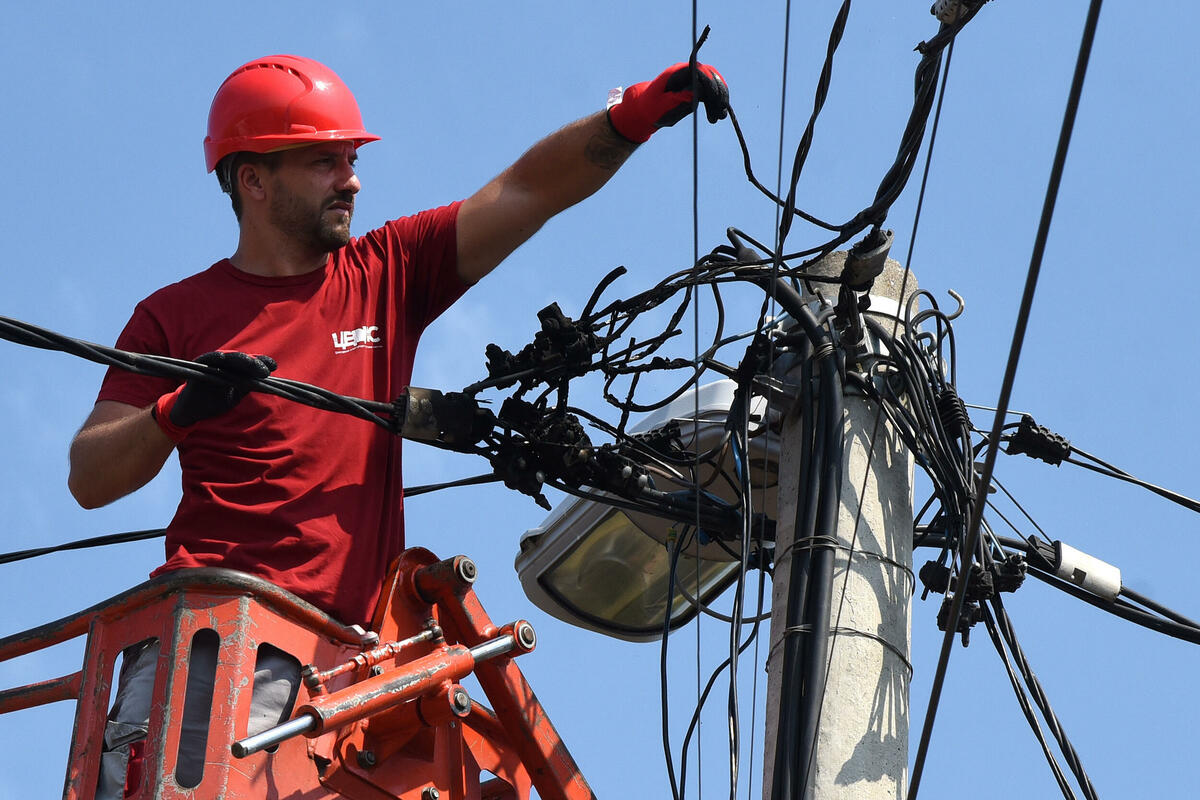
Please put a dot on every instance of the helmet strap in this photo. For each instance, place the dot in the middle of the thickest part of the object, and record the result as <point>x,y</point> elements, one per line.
<point>225,170</point>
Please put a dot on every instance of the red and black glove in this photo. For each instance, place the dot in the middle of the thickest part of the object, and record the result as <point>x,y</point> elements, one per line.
<point>199,399</point>
<point>645,107</point>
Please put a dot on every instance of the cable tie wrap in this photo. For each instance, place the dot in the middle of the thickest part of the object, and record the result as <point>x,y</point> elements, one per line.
<point>838,630</point>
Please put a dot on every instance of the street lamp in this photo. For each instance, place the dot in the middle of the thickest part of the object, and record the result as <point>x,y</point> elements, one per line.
<point>608,570</point>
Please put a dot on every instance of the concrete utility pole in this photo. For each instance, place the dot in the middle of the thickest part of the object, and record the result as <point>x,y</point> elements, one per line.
<point>862,745</point>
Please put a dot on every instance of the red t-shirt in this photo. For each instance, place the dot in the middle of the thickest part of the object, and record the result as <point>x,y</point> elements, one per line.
<point>310,500</point>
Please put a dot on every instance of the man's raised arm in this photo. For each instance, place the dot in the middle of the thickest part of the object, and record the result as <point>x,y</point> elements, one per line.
<point>573,162</point>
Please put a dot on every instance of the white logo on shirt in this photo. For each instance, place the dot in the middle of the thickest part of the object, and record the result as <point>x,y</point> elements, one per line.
<point>366,336</point>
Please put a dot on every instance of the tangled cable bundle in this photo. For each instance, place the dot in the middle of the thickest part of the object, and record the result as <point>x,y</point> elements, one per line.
<point>821,348</point>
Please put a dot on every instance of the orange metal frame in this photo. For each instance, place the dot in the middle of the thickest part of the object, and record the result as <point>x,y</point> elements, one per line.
<point>386,716</point>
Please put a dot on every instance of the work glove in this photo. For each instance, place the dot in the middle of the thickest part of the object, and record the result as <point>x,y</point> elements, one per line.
<point>198,399</point>
<point>643,108</point>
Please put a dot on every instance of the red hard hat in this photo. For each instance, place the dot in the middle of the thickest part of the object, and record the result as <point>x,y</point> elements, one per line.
<point>278,101</point>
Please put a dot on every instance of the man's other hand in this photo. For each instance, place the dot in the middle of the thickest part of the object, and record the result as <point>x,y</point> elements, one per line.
<point>200,399</point>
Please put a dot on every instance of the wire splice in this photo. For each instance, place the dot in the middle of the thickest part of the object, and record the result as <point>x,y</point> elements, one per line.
<point>1077,567</point>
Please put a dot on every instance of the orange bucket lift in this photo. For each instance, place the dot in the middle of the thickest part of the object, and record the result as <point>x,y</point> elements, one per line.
<point>385,716</point>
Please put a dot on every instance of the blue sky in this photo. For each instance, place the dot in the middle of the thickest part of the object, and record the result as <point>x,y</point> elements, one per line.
<point>107,199</point>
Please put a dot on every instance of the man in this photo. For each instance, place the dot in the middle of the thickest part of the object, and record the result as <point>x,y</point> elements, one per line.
<point>309,500</point>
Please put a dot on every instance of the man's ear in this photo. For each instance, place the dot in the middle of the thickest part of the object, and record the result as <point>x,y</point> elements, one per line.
<point>250,181</point>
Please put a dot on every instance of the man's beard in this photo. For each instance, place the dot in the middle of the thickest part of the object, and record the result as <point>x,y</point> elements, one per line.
<point>310,224</point>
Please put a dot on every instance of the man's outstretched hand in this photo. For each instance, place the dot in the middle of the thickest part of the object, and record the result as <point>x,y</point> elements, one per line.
<point>200,399</point>
<point>645,107</point>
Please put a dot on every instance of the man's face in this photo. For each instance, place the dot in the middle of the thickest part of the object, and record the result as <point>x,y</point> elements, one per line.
<point>312,194</point>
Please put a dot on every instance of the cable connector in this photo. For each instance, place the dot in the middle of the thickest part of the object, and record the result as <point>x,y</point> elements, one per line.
<point>1010,573</point>
<point>452,419</point>
<point>666,441</point>
<point>1038,441</point>
<point>1077,567</point>
<point>563,348</point>
<point>936,578</point>
<point>866,260</point>
<point>968,616</point>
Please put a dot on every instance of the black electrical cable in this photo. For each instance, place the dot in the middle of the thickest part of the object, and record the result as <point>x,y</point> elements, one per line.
<point>1004,624</point>
<point>712,679</point>
<point>913,324</point>
<point>1183,632</point>
<point>1121,475</point>
<point>810,585</point>
<point>797,587</point>
<point>182,370</point>
<point>1020,507</point>
<point>896,178</point>
<point>698,368</point>
<point>822,91</point>
<point>740,455</point>
<point>736,235</point>
<point>1023,700</point>
<point>900,349</point>
<point>773,196</point>
<point>435,487</point>
<point>1169,622</point>
<point>1158,608</point>
<point>818,609</point>
<point>676,788</point>
<point>888,191</point>
<point>663,460</point>
<point>95,541</point>
<point>1006,387</point>
<point>164,367</point>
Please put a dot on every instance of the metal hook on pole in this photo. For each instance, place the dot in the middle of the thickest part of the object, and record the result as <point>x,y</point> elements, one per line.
<point>962,306</point>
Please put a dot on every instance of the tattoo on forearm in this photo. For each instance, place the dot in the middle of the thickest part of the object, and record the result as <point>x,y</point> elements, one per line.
<point>608,149</point>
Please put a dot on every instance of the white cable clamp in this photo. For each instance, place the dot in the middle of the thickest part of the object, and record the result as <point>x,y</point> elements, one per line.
<point>1088,572</point>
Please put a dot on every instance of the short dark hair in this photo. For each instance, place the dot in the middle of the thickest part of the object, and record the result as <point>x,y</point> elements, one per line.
<point>227,168</point>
